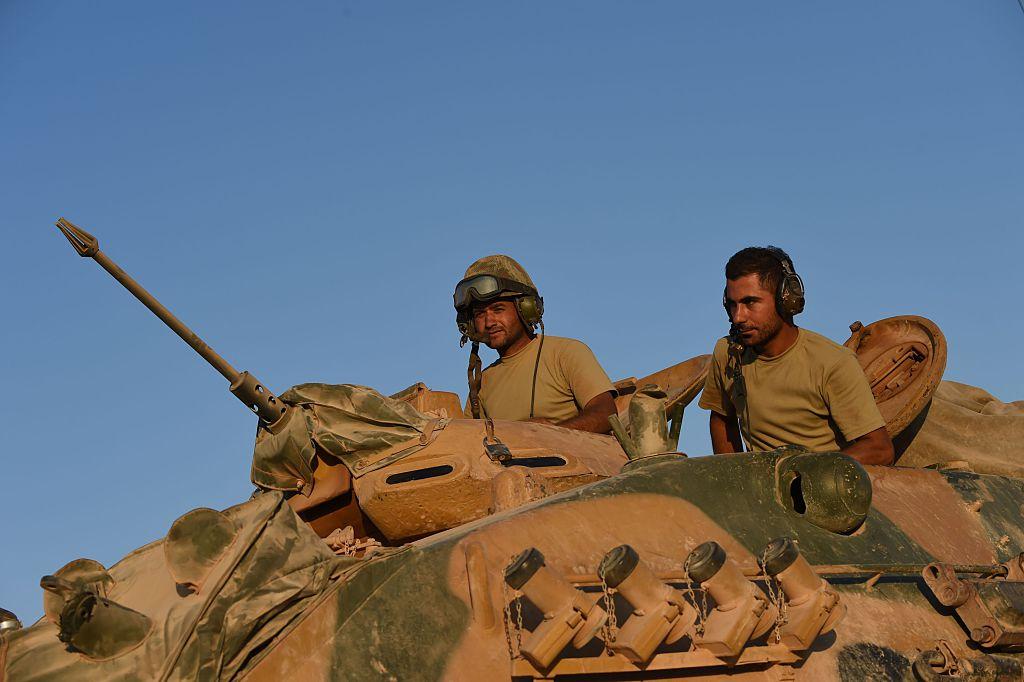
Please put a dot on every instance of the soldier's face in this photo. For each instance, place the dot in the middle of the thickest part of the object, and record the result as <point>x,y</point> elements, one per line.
<point>499,324</point>
<point>752,310</point>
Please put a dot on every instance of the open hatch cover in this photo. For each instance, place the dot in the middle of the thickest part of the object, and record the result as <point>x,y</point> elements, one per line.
<point>903,358</point>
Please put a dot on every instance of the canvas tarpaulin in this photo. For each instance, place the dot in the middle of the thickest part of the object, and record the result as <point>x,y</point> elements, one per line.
<point>273,570</point>
<point>356,424</point>
<point>967,423</point>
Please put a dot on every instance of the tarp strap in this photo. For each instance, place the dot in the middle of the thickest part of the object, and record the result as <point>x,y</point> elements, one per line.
<point>428,431</point>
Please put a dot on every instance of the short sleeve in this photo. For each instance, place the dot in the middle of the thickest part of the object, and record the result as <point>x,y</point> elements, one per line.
<point>586,377</point>
<point>713,396</point>
<point>849,399</point>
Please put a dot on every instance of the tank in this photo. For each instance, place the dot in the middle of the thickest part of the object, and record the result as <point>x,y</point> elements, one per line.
<point>459,549</point>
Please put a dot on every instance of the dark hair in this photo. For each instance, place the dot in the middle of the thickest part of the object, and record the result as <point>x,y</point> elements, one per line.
<point>760,260</point>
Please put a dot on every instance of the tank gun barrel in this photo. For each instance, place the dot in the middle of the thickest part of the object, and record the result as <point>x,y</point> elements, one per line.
<point>243,385</point>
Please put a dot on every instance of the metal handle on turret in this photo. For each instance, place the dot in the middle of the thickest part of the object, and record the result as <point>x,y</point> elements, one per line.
<point>243,385</point>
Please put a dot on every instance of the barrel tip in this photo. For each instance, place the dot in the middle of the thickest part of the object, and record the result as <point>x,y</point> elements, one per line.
<point>84,243</point>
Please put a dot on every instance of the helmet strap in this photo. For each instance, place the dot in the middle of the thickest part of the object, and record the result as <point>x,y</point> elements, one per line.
<point>474,374</point>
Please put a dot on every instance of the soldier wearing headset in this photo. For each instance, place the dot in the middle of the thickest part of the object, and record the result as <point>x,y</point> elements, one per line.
<point>772,383</point>
<point>535,378</point>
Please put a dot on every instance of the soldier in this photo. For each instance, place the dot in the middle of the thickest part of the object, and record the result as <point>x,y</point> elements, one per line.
<point>544,379</point>
<point>777,384</point>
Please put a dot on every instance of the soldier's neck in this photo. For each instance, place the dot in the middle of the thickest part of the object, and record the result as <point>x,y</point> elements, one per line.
<point>781,342</point>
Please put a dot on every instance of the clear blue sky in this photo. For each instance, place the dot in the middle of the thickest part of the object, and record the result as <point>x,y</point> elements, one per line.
<point>304,183</point>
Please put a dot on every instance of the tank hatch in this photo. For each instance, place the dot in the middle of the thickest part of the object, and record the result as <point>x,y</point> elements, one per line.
<point>903,358</point>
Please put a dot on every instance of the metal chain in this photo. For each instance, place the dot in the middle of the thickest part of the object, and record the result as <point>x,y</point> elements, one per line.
<point>519,622</point>
<point>610,627</point>
<point>776,597</point>
<point>513,627</point>
<point>700,605</point>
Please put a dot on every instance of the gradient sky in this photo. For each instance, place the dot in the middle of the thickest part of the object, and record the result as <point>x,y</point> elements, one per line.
<point>303,183</point>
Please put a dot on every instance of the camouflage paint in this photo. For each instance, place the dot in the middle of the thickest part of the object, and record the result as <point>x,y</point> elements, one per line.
<point>406,613</point>
<point>420,602</point>
<point>999,504</point>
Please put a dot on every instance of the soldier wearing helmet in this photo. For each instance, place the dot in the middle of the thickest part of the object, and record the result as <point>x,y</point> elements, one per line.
<point>538,378</point>
<point>772,383</point>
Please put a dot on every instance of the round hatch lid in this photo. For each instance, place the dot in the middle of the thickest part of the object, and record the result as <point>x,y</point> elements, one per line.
<point>903,358</point>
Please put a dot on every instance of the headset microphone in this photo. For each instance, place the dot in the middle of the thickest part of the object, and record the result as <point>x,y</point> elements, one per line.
<point>735,338</point>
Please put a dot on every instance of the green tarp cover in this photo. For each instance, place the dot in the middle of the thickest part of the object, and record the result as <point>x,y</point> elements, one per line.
<point>356,424</point>
<point>273,570</point>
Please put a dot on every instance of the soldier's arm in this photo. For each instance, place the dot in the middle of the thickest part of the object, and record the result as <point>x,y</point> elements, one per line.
<point>588,382</point>
<point>725,430</point>
<point>725,434</point>
<point>874,447</point>
<point>594,417</point>
<point>853,408</point>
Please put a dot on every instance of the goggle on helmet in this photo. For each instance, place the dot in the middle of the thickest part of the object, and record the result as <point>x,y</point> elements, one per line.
<point>485,288</point>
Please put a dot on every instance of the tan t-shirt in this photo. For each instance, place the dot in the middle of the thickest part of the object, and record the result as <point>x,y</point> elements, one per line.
<point>814,394</point>
<point>568,378</point>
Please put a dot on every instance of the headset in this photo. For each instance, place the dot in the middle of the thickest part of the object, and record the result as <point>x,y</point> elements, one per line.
<point>789,296</point>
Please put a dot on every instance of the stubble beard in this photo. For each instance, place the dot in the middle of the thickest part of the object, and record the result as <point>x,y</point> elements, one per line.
<point>765,335</point>
<point>508,339</point>
<point>504,341</point>
<point>494,345</point>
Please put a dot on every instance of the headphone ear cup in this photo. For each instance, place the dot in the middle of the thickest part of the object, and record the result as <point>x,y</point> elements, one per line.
<point>798,295</point>
<point>790,299</point>
<point>531,310</point>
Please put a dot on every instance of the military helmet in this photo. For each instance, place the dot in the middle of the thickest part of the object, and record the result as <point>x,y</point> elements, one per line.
<point>490,278</point>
